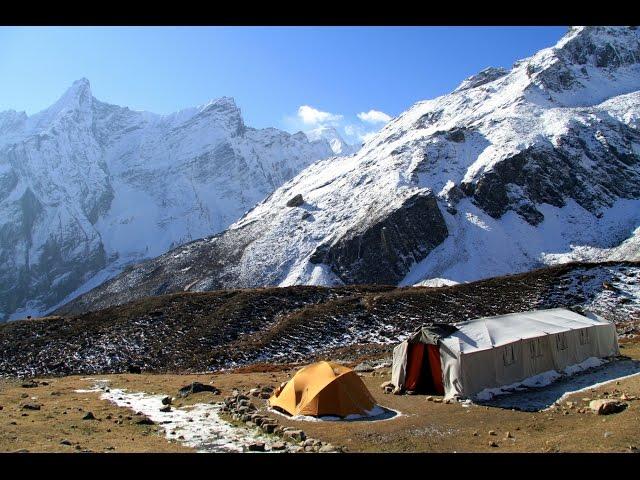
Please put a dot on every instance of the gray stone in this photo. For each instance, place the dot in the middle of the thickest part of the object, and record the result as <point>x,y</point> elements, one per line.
<point>296,434</point>
<point>606,406</point>
<point>295,201</point>
<point>197,387</point>
<point>268,427</point>
<point>256,447</point>
<point>328,448</point>
<point>145,421</point>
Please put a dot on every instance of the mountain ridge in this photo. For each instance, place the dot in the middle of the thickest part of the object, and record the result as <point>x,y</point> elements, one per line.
<point>513,171</point>
<point>87,187</point>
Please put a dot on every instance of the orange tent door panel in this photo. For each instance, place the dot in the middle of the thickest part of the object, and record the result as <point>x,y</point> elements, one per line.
<point>415,357</point>
<point>436,368</point>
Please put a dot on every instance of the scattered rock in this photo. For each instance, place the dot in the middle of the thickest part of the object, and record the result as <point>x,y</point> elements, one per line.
<point>268,427</point>
<point>197,387</point>
<point>363,367</point>
<point>492,443</point>
<point>65,442</point>
<point>256,447</point>
<point>145,421</point>
<point>165,409</point>
<point>166,400</point>
<point>492,432</point>
<point>30,384</point>
<point>328,448</point>
<point>89,416</point>
<point>31,406</point>
<point>476,433</point>
<point>607,434</point>
<point>295,201</point>
<point>606,407</point>
<point>508,435</point>
<point>387,384</point>
<point>295,434</point>
<point>277,446</point>
<point>134,369</point>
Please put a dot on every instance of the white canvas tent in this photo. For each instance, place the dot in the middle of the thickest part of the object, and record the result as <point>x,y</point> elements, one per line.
<point>462,359</point>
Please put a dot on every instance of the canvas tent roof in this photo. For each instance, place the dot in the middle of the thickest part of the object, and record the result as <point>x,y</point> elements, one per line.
<point>489,332</point>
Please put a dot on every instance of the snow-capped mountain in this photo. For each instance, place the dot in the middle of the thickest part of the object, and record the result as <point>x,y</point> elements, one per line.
<point>511,170</point>
<point>87,187</point>
<point>330,134</point>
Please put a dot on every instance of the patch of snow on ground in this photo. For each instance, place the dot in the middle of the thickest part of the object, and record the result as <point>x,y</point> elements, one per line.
<point>536,399</point>
<point>540,380</point>
<point>200,425</point>
<point>377,413</point>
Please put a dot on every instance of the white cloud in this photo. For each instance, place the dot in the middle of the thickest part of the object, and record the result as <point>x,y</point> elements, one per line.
<point>313,116</point>
<point>374,116</point>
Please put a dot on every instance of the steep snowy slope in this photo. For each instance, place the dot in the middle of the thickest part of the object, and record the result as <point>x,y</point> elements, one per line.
<point>87,187</point>
<point>511,170</point>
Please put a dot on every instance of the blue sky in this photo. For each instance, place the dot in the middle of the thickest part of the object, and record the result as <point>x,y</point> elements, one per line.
<point>271,71</point>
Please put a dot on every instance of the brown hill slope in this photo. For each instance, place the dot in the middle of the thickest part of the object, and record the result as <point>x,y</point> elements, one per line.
<point>220,329</point>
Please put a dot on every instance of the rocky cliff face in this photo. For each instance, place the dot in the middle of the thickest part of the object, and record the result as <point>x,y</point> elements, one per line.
<point>511,170</point>
<point>87,187</point>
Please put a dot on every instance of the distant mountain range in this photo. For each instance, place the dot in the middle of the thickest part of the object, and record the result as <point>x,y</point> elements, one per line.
<point>512,170</point>
<point>87,187</point>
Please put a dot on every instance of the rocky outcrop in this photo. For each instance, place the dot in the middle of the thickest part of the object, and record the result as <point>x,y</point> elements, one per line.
<point>384,250</point>
<point>547,174</point>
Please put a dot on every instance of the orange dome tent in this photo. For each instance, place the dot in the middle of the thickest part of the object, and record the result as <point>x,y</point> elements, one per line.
<point>324,388</point>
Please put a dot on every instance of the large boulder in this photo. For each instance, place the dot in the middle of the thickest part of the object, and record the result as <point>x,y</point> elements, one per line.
<point>197,387</point>
<point>382,250</point>
<point>605,406</point>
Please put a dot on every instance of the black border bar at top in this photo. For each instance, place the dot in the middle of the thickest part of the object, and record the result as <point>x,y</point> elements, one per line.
<point>325,13</point>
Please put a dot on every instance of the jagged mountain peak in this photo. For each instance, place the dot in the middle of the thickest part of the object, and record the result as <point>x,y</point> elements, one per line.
<point>108,186</point>
<point>331,135</point>
<point>221,103</point>
<point>76,101</point>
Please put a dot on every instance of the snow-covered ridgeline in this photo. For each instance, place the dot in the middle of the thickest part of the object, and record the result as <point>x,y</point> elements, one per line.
<point>87,187</point>
<point>512,170</point>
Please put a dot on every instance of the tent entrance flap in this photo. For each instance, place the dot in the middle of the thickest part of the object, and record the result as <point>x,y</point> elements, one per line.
<point>424,372</point>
